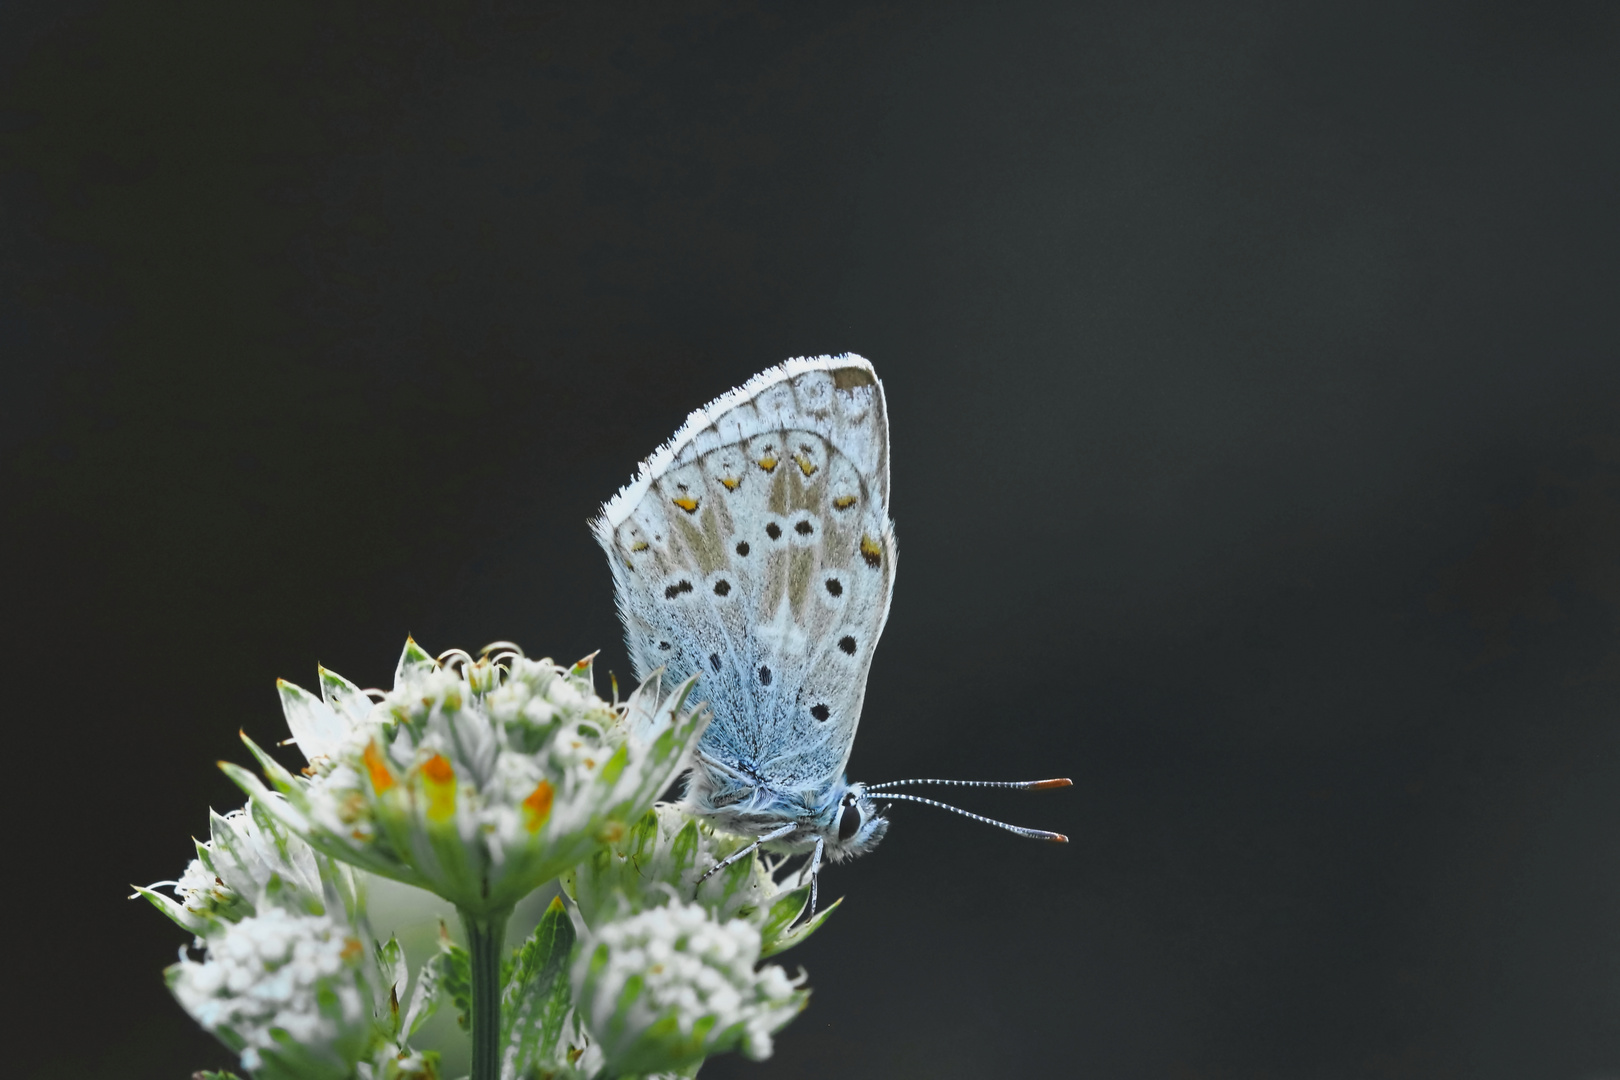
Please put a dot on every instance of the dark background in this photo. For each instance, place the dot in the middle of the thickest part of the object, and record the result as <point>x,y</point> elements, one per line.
<point>1256,420</point>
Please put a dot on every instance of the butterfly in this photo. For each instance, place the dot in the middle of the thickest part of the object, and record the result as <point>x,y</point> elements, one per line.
<point>754,550</point>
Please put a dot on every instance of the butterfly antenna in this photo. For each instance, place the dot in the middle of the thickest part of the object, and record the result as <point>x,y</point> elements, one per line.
<point>1023,785</point>
<point>1033,834</point>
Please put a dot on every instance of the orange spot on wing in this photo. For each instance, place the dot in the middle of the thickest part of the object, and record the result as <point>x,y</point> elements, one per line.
<point>843,502</point>
<point>640,545</point>
<point>768,463</point>
<point>686,502</point>
<point>731,483</point>
<point>806,466</point>
<point>382,777</point>
<point>871,551</point>
<point>537,807</point>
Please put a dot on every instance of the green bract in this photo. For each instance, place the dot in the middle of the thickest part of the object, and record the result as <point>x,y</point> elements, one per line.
<point>662,857</point>
<point>251,862</point>
<point>479,781</point>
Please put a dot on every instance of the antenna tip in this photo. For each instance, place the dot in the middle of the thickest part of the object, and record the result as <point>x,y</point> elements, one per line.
<point>1062,781</point>
<point>1058,838</point>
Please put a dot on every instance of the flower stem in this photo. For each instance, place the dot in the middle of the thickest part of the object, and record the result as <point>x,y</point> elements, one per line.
<point>486,934</point>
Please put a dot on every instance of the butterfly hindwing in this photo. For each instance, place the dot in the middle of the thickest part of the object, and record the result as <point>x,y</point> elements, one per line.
<point>755,550</point>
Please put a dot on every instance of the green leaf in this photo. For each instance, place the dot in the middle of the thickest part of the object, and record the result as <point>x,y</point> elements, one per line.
<point>536,1000</point>
<point>455,975</point>
<point>394,974</point>
<point>425,996</point>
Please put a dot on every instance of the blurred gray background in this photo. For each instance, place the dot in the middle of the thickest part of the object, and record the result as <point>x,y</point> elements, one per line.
<point>1256,422</point>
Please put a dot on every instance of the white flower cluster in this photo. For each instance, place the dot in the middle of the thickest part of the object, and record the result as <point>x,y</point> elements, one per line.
<point>250,863</point>
<point>672,985</point>
<point>669,853</point>
<point>281,985</point>
<point>479,780</point>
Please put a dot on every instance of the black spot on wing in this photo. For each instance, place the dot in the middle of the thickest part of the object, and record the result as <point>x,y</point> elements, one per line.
<point>742,547</point>
<point>714,660</point>
<point>774,531</point>
<point>676,589</point>
<point>834,587</point>
<point>722,587</point>
<point>847,643</point>
<point>764,675</point>
<point>820,712</point>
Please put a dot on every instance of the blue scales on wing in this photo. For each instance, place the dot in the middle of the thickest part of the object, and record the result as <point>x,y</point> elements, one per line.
<point>755,550</point>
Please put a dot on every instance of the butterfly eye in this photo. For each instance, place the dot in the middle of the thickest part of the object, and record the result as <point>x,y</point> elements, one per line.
<point>850,823</point>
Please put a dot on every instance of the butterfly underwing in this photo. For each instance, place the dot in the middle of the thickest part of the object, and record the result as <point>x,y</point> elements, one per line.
<point>754,550</point>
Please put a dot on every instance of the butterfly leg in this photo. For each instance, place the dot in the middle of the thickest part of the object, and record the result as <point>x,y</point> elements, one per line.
<point>815,876</point>
<point>774,834</point>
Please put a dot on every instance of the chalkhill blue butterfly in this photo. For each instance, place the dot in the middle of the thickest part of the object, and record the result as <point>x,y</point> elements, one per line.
<point>755,551</point>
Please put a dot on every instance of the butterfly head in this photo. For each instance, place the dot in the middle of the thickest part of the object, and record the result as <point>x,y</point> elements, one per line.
<point>856,826</point>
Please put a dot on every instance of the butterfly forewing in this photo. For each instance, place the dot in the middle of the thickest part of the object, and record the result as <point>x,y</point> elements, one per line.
<point>755,550</point>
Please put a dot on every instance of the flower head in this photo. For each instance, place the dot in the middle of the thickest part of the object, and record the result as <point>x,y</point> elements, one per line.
<point>663,989</point>
<point>665,856</point>
<point>476,780</point>
<point>273,918</point>
<point>250,863</point>
<point>287,992</point>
